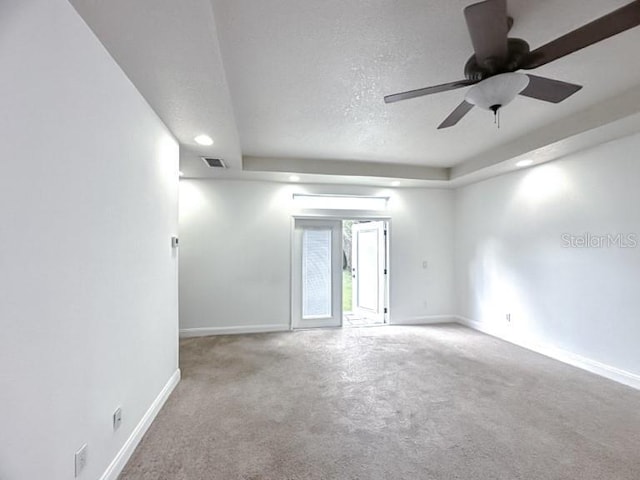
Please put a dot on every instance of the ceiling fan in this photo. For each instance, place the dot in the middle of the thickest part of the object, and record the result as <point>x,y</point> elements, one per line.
<point>492,69</point>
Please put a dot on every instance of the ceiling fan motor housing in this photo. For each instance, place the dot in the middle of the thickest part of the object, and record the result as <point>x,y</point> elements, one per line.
<point>518,51</point>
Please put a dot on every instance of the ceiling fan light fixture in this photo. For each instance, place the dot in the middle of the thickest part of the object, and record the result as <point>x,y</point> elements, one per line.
<point>495,92</point>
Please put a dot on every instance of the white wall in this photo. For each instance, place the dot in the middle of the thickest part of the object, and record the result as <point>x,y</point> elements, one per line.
<point>235,253</point>
<point>88,281</point>
<point>510,255</point>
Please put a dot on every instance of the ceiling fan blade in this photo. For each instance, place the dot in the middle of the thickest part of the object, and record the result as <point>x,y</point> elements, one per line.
<point>549,90</point>
<point>604,27</point>
<point>488,27</point>
<point>455,116</point>
<point>396,97</point>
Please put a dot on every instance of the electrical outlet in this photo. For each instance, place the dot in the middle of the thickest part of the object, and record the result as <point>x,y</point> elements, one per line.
<point>81,459</point>
<point>117,418</point>
<point>425,264</point>
<point>508,317</point>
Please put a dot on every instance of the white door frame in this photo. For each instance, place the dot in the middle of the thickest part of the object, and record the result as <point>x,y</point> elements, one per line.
<point>338,215</point>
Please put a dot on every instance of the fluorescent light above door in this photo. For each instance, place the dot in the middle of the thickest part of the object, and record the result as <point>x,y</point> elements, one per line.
<point>339,202</point>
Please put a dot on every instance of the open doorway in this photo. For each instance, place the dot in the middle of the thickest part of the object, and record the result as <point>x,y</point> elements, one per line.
<point>364,273</point>
<point>339,273</point>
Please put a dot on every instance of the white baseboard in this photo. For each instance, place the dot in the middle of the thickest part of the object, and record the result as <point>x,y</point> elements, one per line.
<point>425,320</point>
<point>121,459</point>
<point>207,331</point>
<point>593,366</point>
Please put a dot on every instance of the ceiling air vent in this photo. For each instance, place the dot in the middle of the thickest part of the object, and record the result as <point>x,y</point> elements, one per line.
<point>214,162</point>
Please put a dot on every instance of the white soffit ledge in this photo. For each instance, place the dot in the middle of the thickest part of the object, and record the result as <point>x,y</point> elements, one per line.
<point>344,168</point>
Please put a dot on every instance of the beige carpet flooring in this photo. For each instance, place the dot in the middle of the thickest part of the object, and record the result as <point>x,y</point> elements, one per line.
<point>386,403</point>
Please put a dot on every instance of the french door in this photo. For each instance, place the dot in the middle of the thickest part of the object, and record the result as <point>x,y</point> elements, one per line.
<point>317,273</point>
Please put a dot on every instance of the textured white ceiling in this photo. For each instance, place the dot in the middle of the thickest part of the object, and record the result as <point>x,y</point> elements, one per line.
<point>305,79</point>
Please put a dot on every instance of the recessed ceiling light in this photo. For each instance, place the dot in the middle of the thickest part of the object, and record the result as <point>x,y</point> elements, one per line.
<point>181,173</point>
<point>395,183</point>
<point>205,140</point>
<point>294,178</point>
<point>524,163</point>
